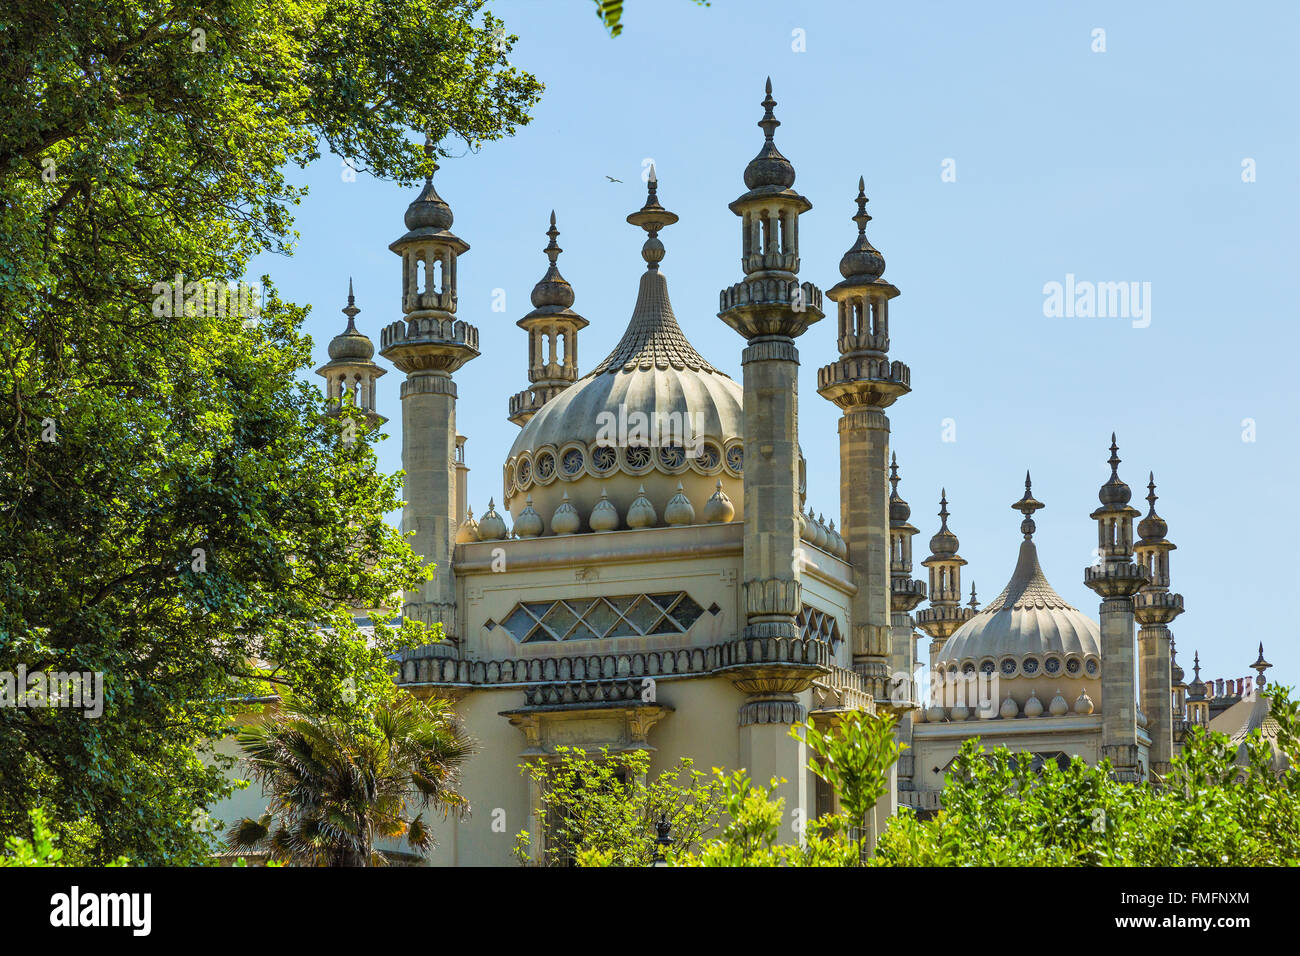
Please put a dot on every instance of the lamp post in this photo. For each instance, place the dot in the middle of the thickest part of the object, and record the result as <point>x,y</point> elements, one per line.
<point>663,841</point>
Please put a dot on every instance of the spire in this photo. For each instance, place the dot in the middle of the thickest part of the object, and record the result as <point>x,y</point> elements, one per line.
<point>1259,667</point>
<point>351,309</point>
<point>1152,528</point>
<point>863,262</point>
<point>769,170</point>
<point>552,289</point>
<point>652,217</point>
<point>1114,491</point>
<point>1027,506</point>
<point>973,604</point>
<point>899,510</point>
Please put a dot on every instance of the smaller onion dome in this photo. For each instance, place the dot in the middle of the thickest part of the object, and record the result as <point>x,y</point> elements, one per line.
<point>679,510</point>
<point>468,530</point>
<point>552,289</point>
<point>935,714</point>
<point>944,541</point>
<point>899,510</point>
<point>428,210</point>
<point>863,261</point>
<point>565,520</point>
<point>719,509</point>
<point>493,526</point>
<point>805,529</point>
<point>1114,491</point>
<point>1196,689</point>
<point>1033,706</point>
<point>1009,708</point>
<point>1083,703</point>
<point>769,167</point>
<point>642,513</point>
<point>839,547</point>
<point>820,538</point>
<point>351,344</point>
<point>960,712</point>
<point>1058,707</point>
<point>1152,528</point>
<point>604,516</point>
<point>529,522</point>
<point>1176,673</point>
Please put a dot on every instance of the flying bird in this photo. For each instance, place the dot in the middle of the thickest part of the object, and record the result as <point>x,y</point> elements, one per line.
<point>613,180</point>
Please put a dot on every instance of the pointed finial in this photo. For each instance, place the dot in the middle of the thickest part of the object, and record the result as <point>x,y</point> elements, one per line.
<point>1260,666</point>
<point>893,474</point>
<point>974,604</point>
<point>1151,491</point>
<point>943,508</point>
<point>1027,506</point>
<point>428,154</point>
<point>351,311</point>
<point>769,122</point>
<point>1196,664</point>
<point>862,217</point>
<point>552,249</point>
<point>652,217</point>
<point>1114,459</point>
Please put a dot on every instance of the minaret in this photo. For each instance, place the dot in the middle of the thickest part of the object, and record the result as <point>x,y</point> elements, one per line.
<point>552,329</point>
<point>1116,579</point>
<point>1154,607</point>
<point>1198,706</point>
<point>945,613</point>
<point>351,372</point>
<point>863,383</point>
<point>770,308</point>
<point>429,346</point>
<point>1179,695</point>
<point>905,593</point>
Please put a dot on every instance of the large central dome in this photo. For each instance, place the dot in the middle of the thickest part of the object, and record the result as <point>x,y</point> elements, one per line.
<point>654,413</point>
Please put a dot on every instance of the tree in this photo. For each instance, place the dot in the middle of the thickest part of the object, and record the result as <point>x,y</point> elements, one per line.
<point>610,13</point>
<point>177,515</point>
<point>335,787</point>
<point>605,807</point>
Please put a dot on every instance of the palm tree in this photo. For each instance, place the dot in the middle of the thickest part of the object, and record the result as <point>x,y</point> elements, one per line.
<point>334,788</point>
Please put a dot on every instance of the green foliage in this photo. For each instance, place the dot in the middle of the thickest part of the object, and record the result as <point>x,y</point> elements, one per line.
<point>610,13</point>
<point>602,809</point>
<point>336,787</point>
<point>175,510</point>
<point>854,758</point>
<point>1212,809</point>
<point>40,850</point>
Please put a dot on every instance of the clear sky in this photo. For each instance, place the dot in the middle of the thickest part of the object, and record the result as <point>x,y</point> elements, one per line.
<point>1117,166</point>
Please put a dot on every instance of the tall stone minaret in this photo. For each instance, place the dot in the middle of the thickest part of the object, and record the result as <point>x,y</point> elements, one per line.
<point>770,308</point>
<point>945,613</point>
<point>552,329</point>
<point>1154,607</point>
<point>864,383</point>
<point>1116,579</point>
<point>430,345</point>
<point>351,372</point>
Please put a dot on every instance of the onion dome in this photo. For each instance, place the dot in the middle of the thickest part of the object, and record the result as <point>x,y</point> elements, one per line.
<point>1175,670</point>
<point>899,510</point>
<point>642,514</point>
<point>944,541</point>
<point>820,538</point>
<point>719,509</point>
<point>839,547</point>
<point>652,414</point>
<point>1059,707</point>
<point>769,168</point>
<point>565,520</point>
<point>863,262</point>
<point>468,530</point>
<point>1028,617</point>
<point>679,510</point>
<point>959,712</point>
<point>350,344</point>
<point>604,516</point>
<point>935,714</point>
<point>428,210</point>
<point>552,290</point>
<point>1009,708</point>
<point>529,523</point>
<point>1033,706</point>
<point>1152,529</point>
<point>493,526</point>
<point>1114,491</point>
<point>1083,703</point>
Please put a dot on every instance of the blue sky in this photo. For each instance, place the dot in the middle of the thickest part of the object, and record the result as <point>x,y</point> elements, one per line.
<point>1124,165</point>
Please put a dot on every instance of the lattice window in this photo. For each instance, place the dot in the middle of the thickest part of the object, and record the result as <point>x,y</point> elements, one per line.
<point>589,619</point>
<point>818,625</point>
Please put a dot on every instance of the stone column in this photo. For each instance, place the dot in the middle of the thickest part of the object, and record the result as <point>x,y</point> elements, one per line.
<point>429,460</point>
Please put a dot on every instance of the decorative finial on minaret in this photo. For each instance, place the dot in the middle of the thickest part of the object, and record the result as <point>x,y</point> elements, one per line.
<point>893,473</point>
<point>428,154</point>
<point>553,249</point>
<point>769,122</point>
<point>1027,506</point>
<point>973,604</point>
<point>863,217</point>
<point>351,311</point>
<point>943,509</point>
<point>652,217</point>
